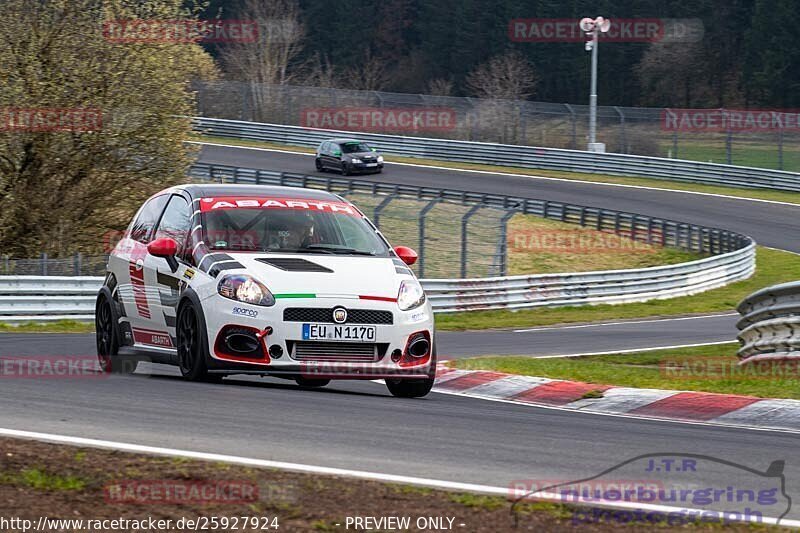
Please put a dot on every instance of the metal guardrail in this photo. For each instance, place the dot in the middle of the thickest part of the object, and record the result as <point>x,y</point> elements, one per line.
<point>733,255</point>
<point>39,298</point>
<point>47,298</point>
<point>514,155</point>
<point>770,325</point>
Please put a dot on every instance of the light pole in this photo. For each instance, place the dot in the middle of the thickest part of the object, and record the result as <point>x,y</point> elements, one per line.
<point>593,29</point>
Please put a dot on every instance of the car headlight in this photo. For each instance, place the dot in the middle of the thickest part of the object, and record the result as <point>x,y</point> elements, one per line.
<point>380,159</point>
<point>355,160</point>
<point>245,289</point>
<point>410,295</point>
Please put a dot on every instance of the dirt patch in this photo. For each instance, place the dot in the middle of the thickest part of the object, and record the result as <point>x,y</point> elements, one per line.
<point>64,482</point>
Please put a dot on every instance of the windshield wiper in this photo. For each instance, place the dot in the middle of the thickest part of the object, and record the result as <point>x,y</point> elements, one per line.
<point>334,249</point>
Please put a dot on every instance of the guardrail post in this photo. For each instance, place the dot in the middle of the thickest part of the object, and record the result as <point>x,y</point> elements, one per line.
<point>780,148</point>
<point>623,141</point>
<point>675,145</point>
<point>728,139</point>
<point>7,264</point>
<point>573,120</point>
<point>422,216</point>
<point>503,244</point>
<point>43,261</point>
<point>378,209</point>
<point>464,222</point>
<point>77,263</point>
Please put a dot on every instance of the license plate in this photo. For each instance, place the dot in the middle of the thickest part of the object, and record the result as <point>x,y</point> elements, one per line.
<point>331,332</point>
<point>372,164</point>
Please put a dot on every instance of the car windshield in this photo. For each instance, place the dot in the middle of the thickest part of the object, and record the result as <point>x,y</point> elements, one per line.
<point>354,147</point>
<point>288,226</point>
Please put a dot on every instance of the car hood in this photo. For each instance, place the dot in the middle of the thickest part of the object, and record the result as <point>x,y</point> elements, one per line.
<point>363,154</point>
<point>321,274</point>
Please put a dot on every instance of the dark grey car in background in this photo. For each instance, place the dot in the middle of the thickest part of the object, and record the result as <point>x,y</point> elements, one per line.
<point>348,156</point>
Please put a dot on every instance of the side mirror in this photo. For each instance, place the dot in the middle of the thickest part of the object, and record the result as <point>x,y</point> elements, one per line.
<point>338,153</point>
<point>374,149</point>
<point>166,248</point>
<point>406,254</point>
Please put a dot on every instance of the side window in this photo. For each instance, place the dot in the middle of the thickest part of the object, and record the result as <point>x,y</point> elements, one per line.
<point>335,148</point>
<point>176,222</point>
<point>142,227</point>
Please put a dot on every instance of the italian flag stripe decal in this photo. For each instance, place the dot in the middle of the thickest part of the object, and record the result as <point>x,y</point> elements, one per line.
<point>294,295</point>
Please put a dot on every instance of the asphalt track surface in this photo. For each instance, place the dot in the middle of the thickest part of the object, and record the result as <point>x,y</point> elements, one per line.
<point>357,425</point>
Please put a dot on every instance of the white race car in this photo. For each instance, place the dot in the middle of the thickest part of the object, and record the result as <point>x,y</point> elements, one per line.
<point>250,279</point>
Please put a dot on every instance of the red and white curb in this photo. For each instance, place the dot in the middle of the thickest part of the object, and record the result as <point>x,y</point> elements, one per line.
<point>683,406</point>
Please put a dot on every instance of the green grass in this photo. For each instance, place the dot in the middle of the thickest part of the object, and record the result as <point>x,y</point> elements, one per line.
<point>701,368</point>
<point>37,478</point>
<point>58,326</point>
<point>743,154</point>
<point>772,266</point>
<point>762,194</point>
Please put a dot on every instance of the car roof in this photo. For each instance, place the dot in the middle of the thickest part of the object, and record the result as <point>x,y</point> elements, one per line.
<point>201,190</point>
<point>342,141</point>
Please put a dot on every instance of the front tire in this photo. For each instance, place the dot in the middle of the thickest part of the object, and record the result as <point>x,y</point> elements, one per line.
<point>345,169</point>
<point>409,388</point>
<point>415,388</point>
<point>107,341</point>
<point>319,166</point>
<point>192,346</point>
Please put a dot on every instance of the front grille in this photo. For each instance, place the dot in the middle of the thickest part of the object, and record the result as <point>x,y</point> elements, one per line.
<point>325,315</point>
<point>348,352</point>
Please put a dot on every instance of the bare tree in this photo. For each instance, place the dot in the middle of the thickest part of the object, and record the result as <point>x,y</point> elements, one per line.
<point>440,87</point>
<point>368,75</point>
<point>672,74</point>
<point>268,61</point>
<point>320,72</point>
<point>508,76</point>
<point>502,83</point>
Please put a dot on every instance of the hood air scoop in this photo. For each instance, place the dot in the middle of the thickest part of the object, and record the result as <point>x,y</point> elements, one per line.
<point>293,264</point>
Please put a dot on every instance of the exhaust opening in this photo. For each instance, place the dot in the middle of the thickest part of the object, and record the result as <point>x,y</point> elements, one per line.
<point>419,347</point>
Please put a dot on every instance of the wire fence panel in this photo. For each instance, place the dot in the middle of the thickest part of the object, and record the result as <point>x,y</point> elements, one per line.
<point>515,155</point>
<point>657,132</point>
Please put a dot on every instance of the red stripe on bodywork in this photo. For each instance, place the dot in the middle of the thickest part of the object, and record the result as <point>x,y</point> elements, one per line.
<point>695,406</point>
<point>378,298</point>
<point>470,380</point>
<point>558,392</point>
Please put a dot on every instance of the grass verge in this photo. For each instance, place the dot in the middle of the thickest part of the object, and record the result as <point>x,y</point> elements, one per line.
<point>57,326</point>
<point>772,266</point>
<point>701,368</point>
<point>65,482</point>
<point>761,194</point>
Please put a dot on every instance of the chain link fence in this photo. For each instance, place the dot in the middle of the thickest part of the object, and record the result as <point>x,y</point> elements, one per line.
<point>74,265</point>
<point>628,130</point>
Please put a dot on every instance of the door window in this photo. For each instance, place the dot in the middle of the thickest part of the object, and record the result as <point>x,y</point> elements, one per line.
<point>142,227</point>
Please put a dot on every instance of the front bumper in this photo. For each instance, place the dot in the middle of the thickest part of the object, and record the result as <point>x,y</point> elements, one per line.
<point>223,314</point>
<point>365,167</point>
